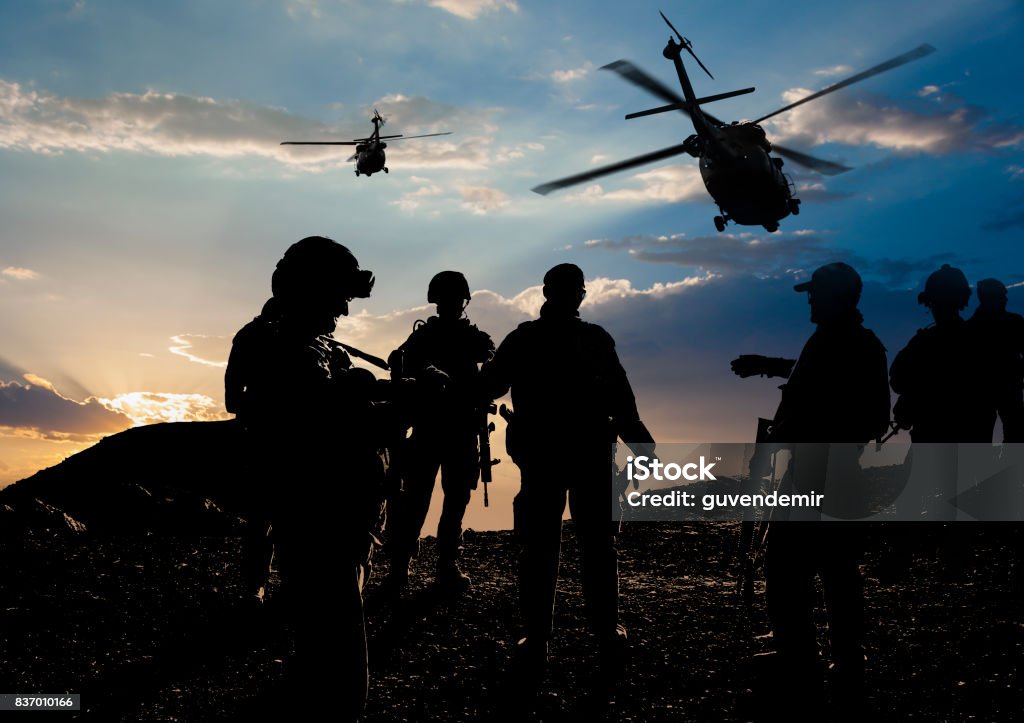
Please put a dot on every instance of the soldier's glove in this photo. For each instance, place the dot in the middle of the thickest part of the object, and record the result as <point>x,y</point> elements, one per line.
<point>747,365</point>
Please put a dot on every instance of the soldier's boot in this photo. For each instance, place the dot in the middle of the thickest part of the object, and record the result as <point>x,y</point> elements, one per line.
<point>397,578</point>
<point>531,663</point>
<point>450,577</point>
<point>613,651</point>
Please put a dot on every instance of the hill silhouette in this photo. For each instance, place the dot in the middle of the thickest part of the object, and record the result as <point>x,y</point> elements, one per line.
<point>175,478</point>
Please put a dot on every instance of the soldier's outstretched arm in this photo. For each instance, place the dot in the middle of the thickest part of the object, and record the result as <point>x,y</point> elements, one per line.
<point>747,365</point>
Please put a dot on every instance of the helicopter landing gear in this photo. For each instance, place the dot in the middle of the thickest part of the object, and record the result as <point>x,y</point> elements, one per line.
<point>720,224</point>
<point>771,227</point>
<point>794,206</point>
<point>385,169</point>
<point>357,173</point>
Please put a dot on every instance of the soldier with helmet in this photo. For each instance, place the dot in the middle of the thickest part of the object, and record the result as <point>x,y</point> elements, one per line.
<point>312,437</point>
<point>944,390</point>
<point>1001,333</point>
<point>444,353</point>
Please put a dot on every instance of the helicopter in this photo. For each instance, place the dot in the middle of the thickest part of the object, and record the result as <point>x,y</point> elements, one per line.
<point>369,155</point>
<point>736,165</point>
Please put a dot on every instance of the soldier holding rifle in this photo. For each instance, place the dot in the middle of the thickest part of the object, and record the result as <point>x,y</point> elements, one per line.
<point>313,436</point>
<point>836,392</point>
<point>444,354</point>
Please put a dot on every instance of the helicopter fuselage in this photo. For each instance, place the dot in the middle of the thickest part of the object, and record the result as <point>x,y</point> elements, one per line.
<point>370,158</point>
<point>742,177</point>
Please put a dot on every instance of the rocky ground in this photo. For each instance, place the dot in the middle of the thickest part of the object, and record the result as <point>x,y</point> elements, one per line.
<point>148,627</point>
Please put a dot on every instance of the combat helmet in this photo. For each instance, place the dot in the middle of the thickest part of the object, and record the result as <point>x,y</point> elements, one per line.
<point>317,266</point>
<point>946,287</point>
<point>447,285</point>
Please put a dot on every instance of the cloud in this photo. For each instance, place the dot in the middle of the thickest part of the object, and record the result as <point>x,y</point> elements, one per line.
<point>1011,217</point>
<point>675,340</point>
<point>834,70</point>
<point>472,9</point>
<point>571,74</point>
<point>787,255</point>
<point>816,191</point>
<point>870,120</point>
<point>412,200</point>
<point>153,407</point>
<point>481,200</point>
<point>668,184</point>
<point>19,274</point>
<point>10,372</point>
<point>38,410</point>
<point>209,351</point>
<point>511,153</point>
<point>927,90</point>
<point>173,124</point>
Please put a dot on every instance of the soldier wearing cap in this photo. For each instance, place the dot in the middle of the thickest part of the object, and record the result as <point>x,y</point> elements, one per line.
<point>1000,334</point>
<point>444,353</point>
<point>312,432</point>
<point>572,399</point>
<point>836,397</point>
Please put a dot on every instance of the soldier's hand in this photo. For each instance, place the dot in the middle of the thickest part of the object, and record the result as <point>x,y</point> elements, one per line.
<point>747,365</point>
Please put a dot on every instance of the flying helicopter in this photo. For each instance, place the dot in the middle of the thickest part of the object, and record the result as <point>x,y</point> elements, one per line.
<point>736,165</point>
<point>369,155</point>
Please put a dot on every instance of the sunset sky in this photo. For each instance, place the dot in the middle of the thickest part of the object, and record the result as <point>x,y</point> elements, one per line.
<point>145,198</point>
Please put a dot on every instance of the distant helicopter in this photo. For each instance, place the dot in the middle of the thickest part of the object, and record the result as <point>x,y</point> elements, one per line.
<point>744,180</point>
<point>369,155</point>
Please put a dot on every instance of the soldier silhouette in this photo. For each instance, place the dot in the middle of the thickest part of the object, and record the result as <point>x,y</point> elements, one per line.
<point>1001,334</point>
<point>444,354</point>
<point>312,432</point>
<point>836,398</point>
<point>257,551</point>
<point>572,399</point>
<point>945,391</point>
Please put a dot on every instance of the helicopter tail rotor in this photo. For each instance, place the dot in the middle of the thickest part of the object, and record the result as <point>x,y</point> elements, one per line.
<point>687,45</point>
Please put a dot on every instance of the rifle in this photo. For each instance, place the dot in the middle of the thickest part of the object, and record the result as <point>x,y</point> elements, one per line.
<point>360,354</point>
<point>753,532</point>
<point>486,462</point>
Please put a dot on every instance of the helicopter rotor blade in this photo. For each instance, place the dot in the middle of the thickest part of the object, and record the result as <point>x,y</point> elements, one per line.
<point>426,135</point>
<point>639,77</point>
<point>546,188</point>
<point>319,143</point>
<point>702,66</point>
<point>700,101</point>
<point>351,158</point>
<point>686,44</point>
<point>918,52</point>
<point>827,168</point>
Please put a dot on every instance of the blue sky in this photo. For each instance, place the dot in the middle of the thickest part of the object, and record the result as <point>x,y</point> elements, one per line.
<point>145,197</point>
